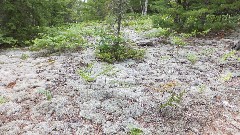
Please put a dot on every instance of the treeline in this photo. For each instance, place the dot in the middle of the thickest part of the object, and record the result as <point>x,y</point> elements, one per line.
<point>22,20</point>
<point>196,15</point>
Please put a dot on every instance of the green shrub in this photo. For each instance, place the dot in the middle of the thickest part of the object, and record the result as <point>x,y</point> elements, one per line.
<point>7,40</point>
<point>113,53</point>
<point>176,40</point>
<point>138,23</point>
<point>112,49</point>
<point>186,16</point>
<point>59,39</point>
<point>158,32</point>
<point>69,37</point>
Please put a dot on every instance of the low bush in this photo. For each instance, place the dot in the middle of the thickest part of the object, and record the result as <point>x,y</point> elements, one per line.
<point>112,49</point>
<point>138,23</point>
<point>69,37</point>
<point>59,39</point>
<point>7,40</point>
<point>188,17</point>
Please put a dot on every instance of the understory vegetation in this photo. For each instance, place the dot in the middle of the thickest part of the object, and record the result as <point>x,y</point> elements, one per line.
<point>72,25</point>
<point>60,24</point>
<point>136,67</point>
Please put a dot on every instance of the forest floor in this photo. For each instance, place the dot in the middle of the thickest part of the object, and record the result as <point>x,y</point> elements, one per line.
<point>46,95</point>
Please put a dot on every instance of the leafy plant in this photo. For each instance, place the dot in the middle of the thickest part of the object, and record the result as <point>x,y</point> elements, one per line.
<point>176,40</point>
<point>173,100</point>
<point>2,100</point>
<point>139,23</point>
<point>192,58</point>
<point>111,52</point>
<point>195,18</point>
<point>60,39</point>
<point>136,131</point>
<point>7,40</point>
<point>46,93</point>
<point>24,56</point>
<point>89,76</point>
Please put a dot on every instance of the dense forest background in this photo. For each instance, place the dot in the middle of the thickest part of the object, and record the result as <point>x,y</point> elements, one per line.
<point>21,21</point>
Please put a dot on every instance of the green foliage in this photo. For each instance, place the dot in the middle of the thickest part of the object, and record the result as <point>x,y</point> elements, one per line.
<point>228,55</point>
<point>88,75</point>
<point>7,40</point>
<point>46,93</point>
<point>158,32</point>
<point>176,40</point>
<point>192,58</point>
<point>173,100</point>
<point>70,37</point>
<point>24,56</point>
<point>195,16</point>
<point>138,23</point>
<point>2,100</point>
<point>136,131</point>
<point>60,39</point>
<point>226,77</point>
<point>22,20</point>
<point>95,10</point>
<point>109,52</point>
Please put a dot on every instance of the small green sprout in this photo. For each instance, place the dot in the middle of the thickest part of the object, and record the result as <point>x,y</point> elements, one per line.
<point>192,58</point>
<point>24,56</point>
<point>173,100</point>
<point>136,131</point>
<point>202,88</point>
<point>46,93</point>
<point>2,100</point>
<point>178,41</point>
<point>226,77</point>
<point>88,76</point>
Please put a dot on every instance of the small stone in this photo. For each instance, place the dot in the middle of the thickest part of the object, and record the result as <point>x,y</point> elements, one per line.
<point>236,46</point>
<point>145,43</point>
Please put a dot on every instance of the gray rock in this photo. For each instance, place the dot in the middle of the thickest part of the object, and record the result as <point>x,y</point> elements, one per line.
<point>145,43</point>
<point>236,46</point>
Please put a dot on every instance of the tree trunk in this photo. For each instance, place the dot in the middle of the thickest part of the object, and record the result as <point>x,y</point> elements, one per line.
<point>119,19</point>
<point>144,11</point>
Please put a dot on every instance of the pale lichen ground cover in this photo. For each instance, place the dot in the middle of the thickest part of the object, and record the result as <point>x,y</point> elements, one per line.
<point>126,97</point>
